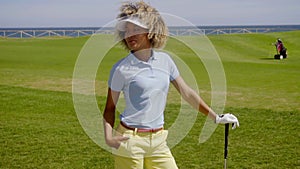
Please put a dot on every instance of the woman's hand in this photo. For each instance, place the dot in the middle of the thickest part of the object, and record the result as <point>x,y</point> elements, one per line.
<point>227,118</point>
<point>115,141</point>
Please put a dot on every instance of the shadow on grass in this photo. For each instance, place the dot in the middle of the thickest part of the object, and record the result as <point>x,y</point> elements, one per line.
<point>266,58</point>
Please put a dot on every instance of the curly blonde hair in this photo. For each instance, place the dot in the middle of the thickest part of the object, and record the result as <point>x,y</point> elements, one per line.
<point>158,31</point>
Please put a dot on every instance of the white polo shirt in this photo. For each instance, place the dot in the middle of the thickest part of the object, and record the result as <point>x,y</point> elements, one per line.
<point>145,86</point>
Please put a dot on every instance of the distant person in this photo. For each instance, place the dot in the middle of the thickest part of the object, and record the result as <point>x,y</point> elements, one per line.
<point>281,48</point>
<point>144,76</point>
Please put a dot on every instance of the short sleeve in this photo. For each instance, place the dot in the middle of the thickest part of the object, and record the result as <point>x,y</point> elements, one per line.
<point>116,79</point>
<point>174,73</point>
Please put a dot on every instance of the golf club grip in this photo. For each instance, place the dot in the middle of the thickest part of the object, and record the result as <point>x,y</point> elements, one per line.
<point>226,140</point>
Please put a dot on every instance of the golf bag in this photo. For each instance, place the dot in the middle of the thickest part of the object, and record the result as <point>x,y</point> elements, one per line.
<point>282,55</point>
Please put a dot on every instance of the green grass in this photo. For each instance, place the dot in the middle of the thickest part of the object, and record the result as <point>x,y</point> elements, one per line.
<point>252,74</point>
<point>39,127</point>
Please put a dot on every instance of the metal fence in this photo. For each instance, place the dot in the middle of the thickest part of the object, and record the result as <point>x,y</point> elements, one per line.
<point>175,31</point>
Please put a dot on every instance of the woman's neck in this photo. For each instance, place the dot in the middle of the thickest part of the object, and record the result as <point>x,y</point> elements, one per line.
<point>143,54</point>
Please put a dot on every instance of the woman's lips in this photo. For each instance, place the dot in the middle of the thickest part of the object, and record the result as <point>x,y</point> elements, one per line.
<point>132,42</point>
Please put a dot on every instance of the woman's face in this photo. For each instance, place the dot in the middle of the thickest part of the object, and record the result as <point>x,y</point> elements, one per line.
<point>136,37</point>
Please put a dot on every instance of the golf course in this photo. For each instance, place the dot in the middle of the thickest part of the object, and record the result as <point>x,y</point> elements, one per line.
<point>39,127</point>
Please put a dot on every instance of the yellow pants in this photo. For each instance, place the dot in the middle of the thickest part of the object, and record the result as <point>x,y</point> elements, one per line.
<point>143,150</point>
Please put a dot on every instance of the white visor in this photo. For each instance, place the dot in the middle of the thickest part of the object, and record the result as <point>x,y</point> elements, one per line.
<point>121,25</point>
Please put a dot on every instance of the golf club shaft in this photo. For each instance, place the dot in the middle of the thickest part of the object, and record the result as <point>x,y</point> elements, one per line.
<point>226,144</point>
<point>276,49</point>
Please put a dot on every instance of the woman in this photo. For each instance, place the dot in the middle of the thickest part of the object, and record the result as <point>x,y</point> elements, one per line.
<point>281,48</point>
<point>144,77</point>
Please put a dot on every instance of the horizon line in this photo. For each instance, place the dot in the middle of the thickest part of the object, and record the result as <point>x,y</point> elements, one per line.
<point>221,25</point>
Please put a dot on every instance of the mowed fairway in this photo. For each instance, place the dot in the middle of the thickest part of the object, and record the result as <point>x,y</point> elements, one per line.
<point>39,127</point>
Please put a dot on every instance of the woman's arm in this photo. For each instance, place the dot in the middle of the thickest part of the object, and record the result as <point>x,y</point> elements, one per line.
<point>109,119</point>
<point>193,98</point>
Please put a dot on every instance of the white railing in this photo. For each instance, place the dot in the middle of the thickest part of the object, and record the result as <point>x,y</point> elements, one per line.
<point>35,33</point>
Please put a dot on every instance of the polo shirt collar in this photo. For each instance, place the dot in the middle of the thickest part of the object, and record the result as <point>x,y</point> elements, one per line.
<point>134,60</point>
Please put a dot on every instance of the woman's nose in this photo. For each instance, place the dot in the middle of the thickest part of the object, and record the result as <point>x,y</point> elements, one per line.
<point>130,33</point>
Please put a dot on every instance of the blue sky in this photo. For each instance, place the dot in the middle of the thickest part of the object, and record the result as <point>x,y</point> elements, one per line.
<point>73,13</point>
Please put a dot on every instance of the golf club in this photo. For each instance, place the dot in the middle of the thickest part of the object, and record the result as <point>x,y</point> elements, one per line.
<point>276,49</point>
<point>226,145</point>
